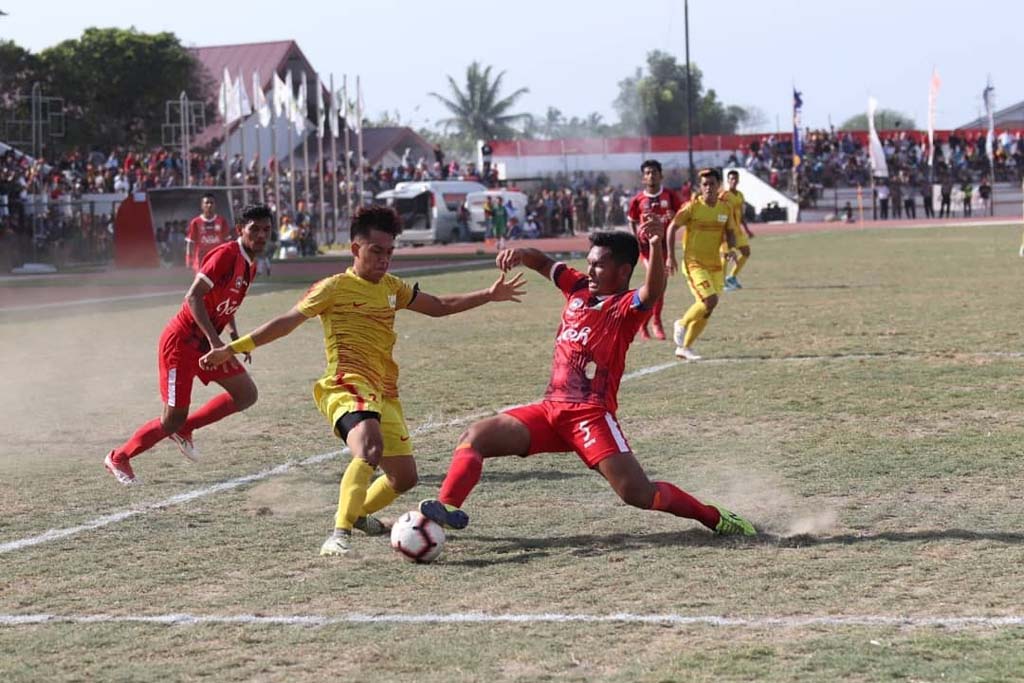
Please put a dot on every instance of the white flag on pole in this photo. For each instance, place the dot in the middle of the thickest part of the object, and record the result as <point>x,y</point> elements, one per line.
<point>277,97</point>
<point>359,107</point>
<point>222,98</point>
<point>289,97</point>
<point>233,107</point>
<point>260,100</point>
<point>988,95</point>
<point>244,105</point>
<point>933,95</point>
<point>332,115</point>
<point>300,112</point>
<point>319,107</point>
<point>876,154</point>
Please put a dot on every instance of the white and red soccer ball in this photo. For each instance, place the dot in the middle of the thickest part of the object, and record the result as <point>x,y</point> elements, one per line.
<point>417,538</point>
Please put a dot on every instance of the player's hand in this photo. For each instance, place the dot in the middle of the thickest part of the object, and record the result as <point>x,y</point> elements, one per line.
<point>247,357</point>
<point>652,228</point>
<point>508,291</point>
<point>731,255</point>
<point>217,357</point>
<point>508,259</point>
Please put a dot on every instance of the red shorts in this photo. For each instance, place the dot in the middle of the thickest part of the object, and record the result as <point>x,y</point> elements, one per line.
<point>178,360</point>
<point>590,431</point>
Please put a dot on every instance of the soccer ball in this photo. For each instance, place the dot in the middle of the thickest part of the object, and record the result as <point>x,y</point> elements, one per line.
<point>417,538</point>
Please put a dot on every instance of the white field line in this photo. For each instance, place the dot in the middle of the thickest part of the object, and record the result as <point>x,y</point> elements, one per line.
<point>106,520</point>
<point>762,622</point>
<point>179,291</point>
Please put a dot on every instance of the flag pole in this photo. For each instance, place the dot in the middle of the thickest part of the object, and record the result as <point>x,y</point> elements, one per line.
<point>276,170</point>
<point>333,109</point>
<point>320,154</point>
<point>359,139</point>
<point>259,137</point>
<point>305,140</point>
<point>348,151</point>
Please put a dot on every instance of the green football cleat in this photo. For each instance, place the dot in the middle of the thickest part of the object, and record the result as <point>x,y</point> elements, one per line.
<point>371,526</point>
<point>731,524</point>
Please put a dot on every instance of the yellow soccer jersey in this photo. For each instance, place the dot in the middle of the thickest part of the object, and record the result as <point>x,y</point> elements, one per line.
<point>358,318</point>
<point>704,231</point>
<point>736,201</point>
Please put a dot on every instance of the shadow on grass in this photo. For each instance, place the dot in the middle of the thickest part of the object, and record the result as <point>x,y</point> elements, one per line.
<point>513,550</point>
<point>895,537</point>
<point>512,477</point>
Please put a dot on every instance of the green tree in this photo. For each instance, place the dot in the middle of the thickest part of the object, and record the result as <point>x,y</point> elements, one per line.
<point>19,68</point>
<point>654,103</point>
<point>479,112</point>
<point>115,83</point>
<point>885,119</point>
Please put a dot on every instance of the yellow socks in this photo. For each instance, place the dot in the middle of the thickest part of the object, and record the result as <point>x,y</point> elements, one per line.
<point>741,261</point>
<point>697,311</point>
<point>352,496</point>
<point>379,495</point>
<point>693,331</point>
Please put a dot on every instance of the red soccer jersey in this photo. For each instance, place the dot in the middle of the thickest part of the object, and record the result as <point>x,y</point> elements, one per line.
<point>205,236</point>
<point>229,271</point>
<point>591,345</point>
<point>664,205</point>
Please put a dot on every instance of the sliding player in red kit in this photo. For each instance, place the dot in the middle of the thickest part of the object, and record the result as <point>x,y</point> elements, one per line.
<point>599,321</point>
<point>216,293</point>
<point>654,200</point>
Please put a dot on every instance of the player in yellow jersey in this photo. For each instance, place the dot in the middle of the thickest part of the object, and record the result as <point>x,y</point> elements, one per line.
<point>734,198</point>
<point>358,392</point>
<point>706,223</point>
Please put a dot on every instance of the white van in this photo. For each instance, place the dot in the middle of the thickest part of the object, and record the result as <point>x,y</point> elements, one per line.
<point>430,209</point>
<point>475,204</point>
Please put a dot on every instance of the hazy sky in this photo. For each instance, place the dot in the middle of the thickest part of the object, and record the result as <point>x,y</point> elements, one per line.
<point>572,54</point>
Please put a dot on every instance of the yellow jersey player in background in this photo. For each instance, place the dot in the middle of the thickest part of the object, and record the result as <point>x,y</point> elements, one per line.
<point>358,392</point>
<point>734,198</point>
<point>706,222</point>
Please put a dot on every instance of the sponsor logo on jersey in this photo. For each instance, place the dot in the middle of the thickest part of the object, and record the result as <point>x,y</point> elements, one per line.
<point>393,300</point>
<point>572,334</point>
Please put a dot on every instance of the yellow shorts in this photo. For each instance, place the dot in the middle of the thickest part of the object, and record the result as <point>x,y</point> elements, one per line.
<point>702,280</point>
<point>354,394</point>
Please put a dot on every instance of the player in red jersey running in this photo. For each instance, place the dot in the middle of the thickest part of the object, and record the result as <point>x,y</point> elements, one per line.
<point>210,304</point>
<point>600,318</point>
<point>205,233</point>
<point>654,200</point>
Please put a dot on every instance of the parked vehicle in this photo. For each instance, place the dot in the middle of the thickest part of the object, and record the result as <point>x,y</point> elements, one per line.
<point>430,210</point>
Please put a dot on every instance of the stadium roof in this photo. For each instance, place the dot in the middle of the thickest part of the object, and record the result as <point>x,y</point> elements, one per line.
<point>1011,117</point>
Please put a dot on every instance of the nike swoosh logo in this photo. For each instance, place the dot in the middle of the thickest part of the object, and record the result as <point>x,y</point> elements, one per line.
<point>357,305</point>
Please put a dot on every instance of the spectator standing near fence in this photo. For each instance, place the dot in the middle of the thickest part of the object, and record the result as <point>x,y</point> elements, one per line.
<point>205,233</point>
<point>947,197</point>
<point>883,201</point>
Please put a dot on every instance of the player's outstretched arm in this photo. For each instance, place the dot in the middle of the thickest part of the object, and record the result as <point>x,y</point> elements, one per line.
<point>655,280</point>
<point>273,329</point>
<point>438,306</point>
<point>533,259</point>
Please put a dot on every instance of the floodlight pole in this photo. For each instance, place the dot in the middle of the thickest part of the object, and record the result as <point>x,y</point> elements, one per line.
<point>186,114</point>
<point>689,90</point>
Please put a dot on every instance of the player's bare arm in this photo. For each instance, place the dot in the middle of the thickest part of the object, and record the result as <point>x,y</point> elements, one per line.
<point>678,223</point>
<point>439,306</point>
<point>534,259</point>
<point>269,331</point>
<point>194,297</point>
<point>654,281</point>
<point>730,233</point>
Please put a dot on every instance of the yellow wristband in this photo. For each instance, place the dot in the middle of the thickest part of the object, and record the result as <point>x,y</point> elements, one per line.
<point>243,344</point>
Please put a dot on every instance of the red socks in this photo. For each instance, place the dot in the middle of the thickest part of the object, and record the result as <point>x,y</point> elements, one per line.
<point>217,408</point>
<point>463,474</point>
<point>671,499</point>
<point>144,438</point>
<point>151,433</point>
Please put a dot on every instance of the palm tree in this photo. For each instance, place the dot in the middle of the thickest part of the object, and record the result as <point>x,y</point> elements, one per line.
<point>477,111</point>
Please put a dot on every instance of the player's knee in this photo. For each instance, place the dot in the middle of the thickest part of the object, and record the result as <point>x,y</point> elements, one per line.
<point>247,398</point>
<point>403,481</point>
<point>745,251</point>
<point>710,303</point>
<point>639,495</point>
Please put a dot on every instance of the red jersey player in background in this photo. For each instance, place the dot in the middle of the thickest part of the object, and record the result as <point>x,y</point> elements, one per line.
<point>205,233</point>
<point>210,304</point>
<point>662,204</point>
<point>600,318</point>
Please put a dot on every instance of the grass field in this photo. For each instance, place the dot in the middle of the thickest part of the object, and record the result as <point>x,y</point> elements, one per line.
<point>860,401</point>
